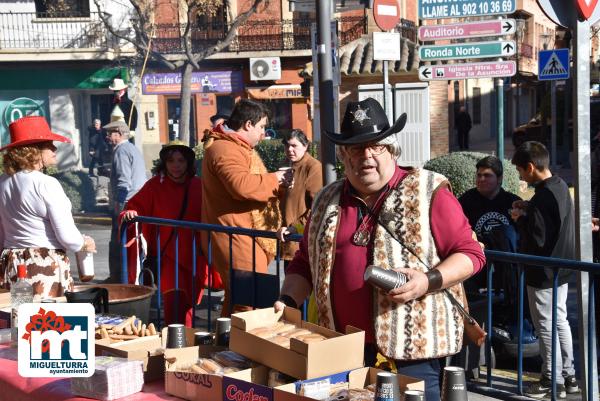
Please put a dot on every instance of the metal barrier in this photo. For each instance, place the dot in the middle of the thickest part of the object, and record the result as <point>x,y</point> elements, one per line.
<point>492,257</point>
<point>556,264</point>
<point>240,283</point>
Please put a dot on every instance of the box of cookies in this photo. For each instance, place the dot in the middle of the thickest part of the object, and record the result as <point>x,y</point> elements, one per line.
<point>300,349</point>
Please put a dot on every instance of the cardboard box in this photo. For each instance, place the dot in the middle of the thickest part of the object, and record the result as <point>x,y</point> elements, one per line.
<point>337,353</point>
<point>146,349</point>
<point>358,378</point>
<point>197,387</point>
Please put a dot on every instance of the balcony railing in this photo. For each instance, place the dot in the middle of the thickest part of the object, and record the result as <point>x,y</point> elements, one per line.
<point>260,35</point>
<point>38,30</point>
<point>407,29</point>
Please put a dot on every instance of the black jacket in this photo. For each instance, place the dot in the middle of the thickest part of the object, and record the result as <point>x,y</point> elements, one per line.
<point>548,229</point>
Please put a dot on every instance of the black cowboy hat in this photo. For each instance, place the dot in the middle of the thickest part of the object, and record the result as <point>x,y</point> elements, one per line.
<point>223,113</point>
<point>365,122</point>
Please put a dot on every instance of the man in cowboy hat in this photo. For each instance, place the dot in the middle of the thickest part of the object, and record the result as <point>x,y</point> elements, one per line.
<point>122,103</point>
<point>404,219</point>
<point>127,176</point>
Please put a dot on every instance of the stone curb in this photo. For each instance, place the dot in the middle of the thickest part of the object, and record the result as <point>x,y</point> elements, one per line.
<point>91,219</point>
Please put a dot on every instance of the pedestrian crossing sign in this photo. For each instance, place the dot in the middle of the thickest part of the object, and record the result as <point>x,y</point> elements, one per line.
<point>553,64</point>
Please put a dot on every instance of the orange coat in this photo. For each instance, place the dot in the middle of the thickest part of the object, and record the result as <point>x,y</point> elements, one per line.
<point>232,192</point>
<point>297,201</point>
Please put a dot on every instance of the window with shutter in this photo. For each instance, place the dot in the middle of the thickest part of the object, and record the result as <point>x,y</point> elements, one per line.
<point>412,99</point>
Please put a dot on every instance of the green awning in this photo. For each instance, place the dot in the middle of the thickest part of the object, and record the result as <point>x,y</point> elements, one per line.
<point>60,78</point>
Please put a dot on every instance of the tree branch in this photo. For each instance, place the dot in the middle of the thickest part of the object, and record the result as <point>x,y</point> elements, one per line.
<point>141,46</point>
<point>237,22</point>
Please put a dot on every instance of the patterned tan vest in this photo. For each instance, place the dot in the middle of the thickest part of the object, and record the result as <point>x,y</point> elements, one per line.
<point>430,327</point>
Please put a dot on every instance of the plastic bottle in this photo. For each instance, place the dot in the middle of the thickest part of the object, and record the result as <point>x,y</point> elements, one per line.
<point>21,292</point>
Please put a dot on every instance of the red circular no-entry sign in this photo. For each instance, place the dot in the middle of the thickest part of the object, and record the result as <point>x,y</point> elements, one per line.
<point>386,13</point>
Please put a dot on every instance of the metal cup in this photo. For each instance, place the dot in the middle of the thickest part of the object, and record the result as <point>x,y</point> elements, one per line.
<point>385,279</point>
<point>454,384</point>
<point>223,329</point>
<point>386,387</point>
<point>176,336</point>
<point>414,395</point>
<point>203,338</point>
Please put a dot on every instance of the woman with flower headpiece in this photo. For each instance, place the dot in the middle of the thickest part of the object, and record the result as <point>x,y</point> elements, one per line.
<point>173,193</point>
<point>36,225</point>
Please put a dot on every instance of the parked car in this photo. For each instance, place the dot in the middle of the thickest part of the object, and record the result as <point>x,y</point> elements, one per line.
<point>534,129</point>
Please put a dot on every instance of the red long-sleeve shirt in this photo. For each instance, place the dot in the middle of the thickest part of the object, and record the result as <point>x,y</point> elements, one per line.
<point>351,296</point>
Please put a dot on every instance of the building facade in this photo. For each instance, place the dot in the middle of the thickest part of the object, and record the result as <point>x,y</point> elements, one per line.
<point>57,60</point>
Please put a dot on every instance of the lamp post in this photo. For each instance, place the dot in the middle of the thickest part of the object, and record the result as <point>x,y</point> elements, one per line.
<point>545,40</point>
<point>520,35</point>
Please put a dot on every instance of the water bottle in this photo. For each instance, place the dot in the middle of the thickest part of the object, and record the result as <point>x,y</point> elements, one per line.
<point>21,292</point>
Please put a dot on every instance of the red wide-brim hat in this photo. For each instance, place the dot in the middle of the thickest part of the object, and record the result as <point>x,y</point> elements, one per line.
<point>29,130</point>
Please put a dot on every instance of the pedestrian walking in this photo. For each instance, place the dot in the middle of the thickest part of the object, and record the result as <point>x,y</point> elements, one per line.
<point>463,124</point>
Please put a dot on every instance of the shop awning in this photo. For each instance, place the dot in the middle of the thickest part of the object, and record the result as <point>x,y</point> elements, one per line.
<point>60,77</point>
<point>356,58</point>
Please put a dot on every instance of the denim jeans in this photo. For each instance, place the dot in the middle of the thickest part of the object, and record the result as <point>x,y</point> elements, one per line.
<point>540,306</point>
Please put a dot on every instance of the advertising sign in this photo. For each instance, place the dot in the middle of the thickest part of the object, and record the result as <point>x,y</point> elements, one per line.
<point>478,29</point>
<point>21,107</point>
<point>467,50</point>
<point>436,9</point>
<point>56,340</point>
<point>202,82</point>
<point>468,70</point>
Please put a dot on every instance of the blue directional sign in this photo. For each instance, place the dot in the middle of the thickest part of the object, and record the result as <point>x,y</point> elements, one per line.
<point>553,64</point>
<point>436,9</point>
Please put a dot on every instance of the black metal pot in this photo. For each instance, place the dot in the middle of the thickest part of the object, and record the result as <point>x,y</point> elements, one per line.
<point>125,299</point>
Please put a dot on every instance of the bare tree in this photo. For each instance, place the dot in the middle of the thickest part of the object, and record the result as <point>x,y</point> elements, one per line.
<point>143,26</point>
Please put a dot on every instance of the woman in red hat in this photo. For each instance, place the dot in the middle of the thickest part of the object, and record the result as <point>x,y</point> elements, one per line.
<point>173,193</point>
<point>36,225</point>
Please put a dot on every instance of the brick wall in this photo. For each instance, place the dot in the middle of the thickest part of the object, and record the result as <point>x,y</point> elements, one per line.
<point>438,115</point>
<point>273,11</point>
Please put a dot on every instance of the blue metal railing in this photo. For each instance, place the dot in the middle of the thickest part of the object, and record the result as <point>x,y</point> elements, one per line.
<point>555,264</point>
<point>492,256</point>
<point>195,228</point>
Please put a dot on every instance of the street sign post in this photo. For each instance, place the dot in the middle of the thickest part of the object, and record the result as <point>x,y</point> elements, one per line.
<point>386,14</point>
<point>477,29</point>
<point>467,50</point>
<point>437,9</point>
<point>386,46</point>
<point>468,70</point>
<point>553,64</point>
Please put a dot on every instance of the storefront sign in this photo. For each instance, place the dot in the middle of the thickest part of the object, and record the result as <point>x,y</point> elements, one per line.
<point>275,92</point>
<point>202,82</point>
<point>21,107</point>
